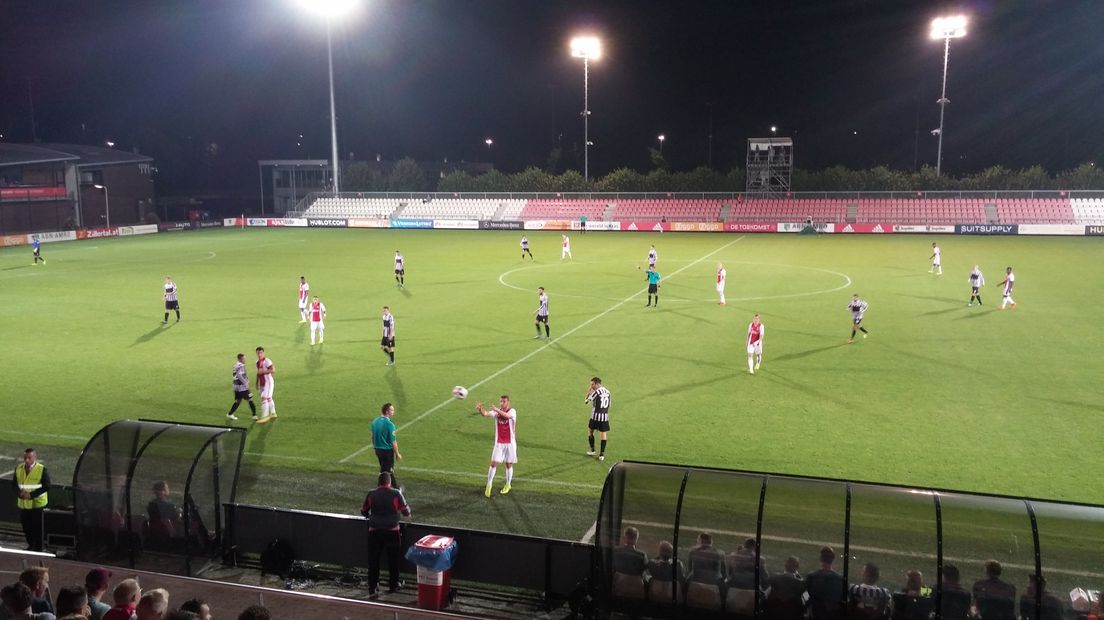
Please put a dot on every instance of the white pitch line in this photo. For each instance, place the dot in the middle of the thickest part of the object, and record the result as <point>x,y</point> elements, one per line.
<point>483,476</point>
<point>589,536</point>
<point>49,435</point>
<point>534,352</point>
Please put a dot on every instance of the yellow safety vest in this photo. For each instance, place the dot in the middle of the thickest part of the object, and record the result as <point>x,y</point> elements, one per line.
<point>30,482</point>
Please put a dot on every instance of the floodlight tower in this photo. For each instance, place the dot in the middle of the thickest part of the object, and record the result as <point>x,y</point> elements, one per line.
<point>946,28</point>
<point>588,48</point>
<point>331,10</point>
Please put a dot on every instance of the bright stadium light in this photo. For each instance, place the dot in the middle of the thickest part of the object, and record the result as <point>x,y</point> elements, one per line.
<point>946,28</point>
<point>331,10</point>
<point>588,48</point>
<point>488,142</point>
<point>661,138</point>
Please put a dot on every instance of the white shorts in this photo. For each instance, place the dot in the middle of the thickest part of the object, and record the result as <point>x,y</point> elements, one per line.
<point>266,391</point>
<point>302,305</point>
<point>756,348</point>
<point>935,263</point>
<point>504,453</point>
<point>316,325</point>
<point>720,287</point>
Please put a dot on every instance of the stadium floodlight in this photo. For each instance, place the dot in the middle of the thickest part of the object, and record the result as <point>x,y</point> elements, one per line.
<point>661,138</point>
<point>946,28</point>
<point>331,10</point>
<point>107,204</point>
<point>588,48</point>
<point>488,142</point>
<point>109,144</point>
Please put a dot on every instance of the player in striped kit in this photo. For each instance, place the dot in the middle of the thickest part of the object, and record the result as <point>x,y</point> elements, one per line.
<point>722,275</point>
<point>387,343</point>
<point>977,280</point>
<point>525,248</point>
<point>266,385</point>
<point>858,310</point>
<point>1008,282</point>
<point>400,269</point>
<point>756,331</point>
<point>505,447</point>
<point>542,313</point>
<point>241,389</point>
<point>599,397</point>
<point>171,301</point>
<point>317,312</point>
<point>304,295</point>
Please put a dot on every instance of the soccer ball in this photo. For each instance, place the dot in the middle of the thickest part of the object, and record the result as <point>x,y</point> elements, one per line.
<point>460,392</point>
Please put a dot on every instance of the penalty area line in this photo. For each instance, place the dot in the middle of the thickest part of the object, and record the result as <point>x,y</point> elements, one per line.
<point>548,344</point>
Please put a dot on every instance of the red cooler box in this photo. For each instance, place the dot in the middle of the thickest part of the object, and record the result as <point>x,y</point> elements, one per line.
<point>434,556</point>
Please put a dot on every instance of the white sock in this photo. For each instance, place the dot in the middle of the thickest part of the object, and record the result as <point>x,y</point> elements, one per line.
<point>303,314</point>
<point>490,475</point>
<point>313,331</point>
<point>509,475</point>
<point>321,333</point>
<point>722,298</point>
<point>271,407</point>
<point>758,360</point>
<point>264,408</point>
<point>751,365</point>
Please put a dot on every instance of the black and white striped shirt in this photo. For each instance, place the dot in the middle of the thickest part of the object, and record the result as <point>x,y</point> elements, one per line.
<point>543,309</point>
<point>600,398</point>
<point>388,325</point>
<point>170,291</point>
<point>398,262</point>
<point>241,382</point>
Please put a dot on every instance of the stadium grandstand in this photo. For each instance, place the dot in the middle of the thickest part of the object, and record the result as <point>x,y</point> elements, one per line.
<point>1054,207</point>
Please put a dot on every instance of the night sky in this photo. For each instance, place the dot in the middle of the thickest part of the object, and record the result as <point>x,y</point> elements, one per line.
<point>433,78</point>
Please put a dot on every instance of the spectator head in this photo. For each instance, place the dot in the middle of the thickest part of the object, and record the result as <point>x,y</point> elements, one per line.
<point>827,556</point>
<point>37,578</point>
<point>792,565</point>
<point>180,614</point>
<point>127,592</point>
<point>665,550</point>
<point>17,599</point>
<point>951,574</point>
<point>914,581</point>
<point>72,600</point>
<point>161,489</point>
<point>992,569</point>
<point>255,612</point>
<point>153,604</point>
<point>96,582</point>
<point>631,536</point>
<point>384,479</point>
<point>705,538</point>
<point>749,544</point>
<point>199,607</point>
<point>871,573</point>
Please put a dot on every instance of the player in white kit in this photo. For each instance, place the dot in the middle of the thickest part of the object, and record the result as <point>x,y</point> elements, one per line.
<point>304,298</point>
<point>756,331</point>
<point>937,260</point>
<point>566,251</point>
<point>317,312</point>
<point>505,447</point>
<point>1008,282</point>
<point>721,276</point>
<point>977,280</point>
<point>266,385</point>
<point>400,269</point>
<point>652,257</point>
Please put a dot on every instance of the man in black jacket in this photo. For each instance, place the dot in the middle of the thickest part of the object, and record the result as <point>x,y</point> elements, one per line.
<point>382,507</point>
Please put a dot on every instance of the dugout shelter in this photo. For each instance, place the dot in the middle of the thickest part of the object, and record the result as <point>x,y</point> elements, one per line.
<point>760,520</point>
<point>150,494</point>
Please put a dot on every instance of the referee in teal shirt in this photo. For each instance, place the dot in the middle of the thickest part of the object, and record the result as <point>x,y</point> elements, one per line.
<point>384,442</point>
<point>653,285</point>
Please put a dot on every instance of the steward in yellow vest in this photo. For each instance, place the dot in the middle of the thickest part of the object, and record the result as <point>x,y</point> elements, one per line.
<point>32,482</point>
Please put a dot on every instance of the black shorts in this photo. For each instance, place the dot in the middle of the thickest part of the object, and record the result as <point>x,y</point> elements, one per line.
<point>653,289</point>
<point>243,395</point>
<point>602,427</point>
<point>542,319</point>
<point>172,305</point>
<point>856,321</point>
<point>974,290</point>
<point>387,342</point>
<point>400,272</point>
<point>35,251</point>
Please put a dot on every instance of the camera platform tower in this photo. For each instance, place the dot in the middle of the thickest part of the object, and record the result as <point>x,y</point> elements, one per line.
<point>769,165</point>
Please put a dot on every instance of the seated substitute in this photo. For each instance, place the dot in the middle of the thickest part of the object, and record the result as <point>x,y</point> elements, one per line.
<point>664,567</point>
<point>707,563</point>
<point>627,559</point>
<point>995,598</point>
<point>870,599</point>
<point>825,588</point>
<point>1051,608</point>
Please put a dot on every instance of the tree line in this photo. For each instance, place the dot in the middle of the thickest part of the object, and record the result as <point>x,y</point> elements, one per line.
<point>407,176</point>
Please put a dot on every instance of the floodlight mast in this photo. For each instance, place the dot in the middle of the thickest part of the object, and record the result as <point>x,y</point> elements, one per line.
<point>946,28</point>
<point>587,48</point>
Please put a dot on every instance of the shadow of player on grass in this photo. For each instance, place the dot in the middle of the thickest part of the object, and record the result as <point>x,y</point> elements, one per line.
<point>151,334</point>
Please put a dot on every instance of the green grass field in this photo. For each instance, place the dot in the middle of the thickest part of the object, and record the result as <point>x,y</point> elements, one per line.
<point>940,394</point>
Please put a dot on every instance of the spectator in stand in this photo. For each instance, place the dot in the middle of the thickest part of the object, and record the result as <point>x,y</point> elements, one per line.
<point>125,595</point>
<point>255,612</point>
<point>786,590</point>
<point>665,567</point>
<point>153,604</point>
<point>871,599</point>
<point>73,600</point>
<point>627,559</point>
<point>1051,608</point>
<point>740,567</point>
<point>17,600</point>
<point>955,599</point>
<point>199,607</point>
<point>996,599</point>
<point>96,583</point>
<point>382,508</point>
<point>825,588</point>
<point>707,563</point>
<point>37,578</point>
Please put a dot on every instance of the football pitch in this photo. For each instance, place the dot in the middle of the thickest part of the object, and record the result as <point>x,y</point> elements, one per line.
<point>940,394</point>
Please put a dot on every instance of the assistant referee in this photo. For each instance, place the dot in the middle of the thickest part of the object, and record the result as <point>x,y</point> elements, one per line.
<point>384,442</point>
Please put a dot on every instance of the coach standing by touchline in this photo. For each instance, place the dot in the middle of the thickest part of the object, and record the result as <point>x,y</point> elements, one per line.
<point>382,508</point>
<point>384,442</point>
<point>31,481</point>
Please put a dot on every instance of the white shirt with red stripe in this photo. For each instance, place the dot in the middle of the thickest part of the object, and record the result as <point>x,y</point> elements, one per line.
<point>317,311</point>
<point>755,333</point>
<point>504,427</point>
<point>265,380</point>
<point>721,274</point>
<point>304,294</point>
